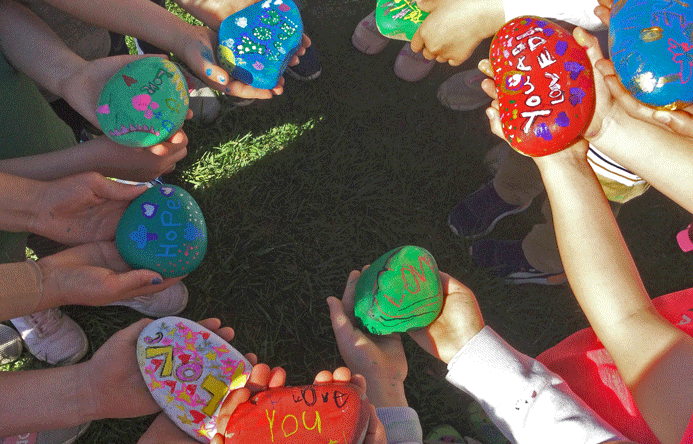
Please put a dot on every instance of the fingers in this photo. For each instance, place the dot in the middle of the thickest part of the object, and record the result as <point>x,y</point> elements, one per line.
<point>259,378</point>
<point>214,324</point>
<point>590,43</point>
<point>112,190</point>
<point>603,14</point>
<point>232,401</point>
<point>342,374</point>
<point>417,42</point>
<point>324,377</point>
<point>489,87</point>
<point>485,67</point>
<point>252,358</point>
<point>680,122</point>
<point>359,381</point>
<point>341,323</point>
<point>239,89</point>
<point>494,119</point>
<point>277,377</point>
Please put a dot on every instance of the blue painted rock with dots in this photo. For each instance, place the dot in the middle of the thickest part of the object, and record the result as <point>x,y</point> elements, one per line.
<point>144,103</point>
<point>189,371</point>
<point>163,230</point>
<point>256,43</point>
<point>651,46</point>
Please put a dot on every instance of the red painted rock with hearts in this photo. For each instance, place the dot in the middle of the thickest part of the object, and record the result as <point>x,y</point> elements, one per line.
<point>315,414</point>
<point>545,85</point>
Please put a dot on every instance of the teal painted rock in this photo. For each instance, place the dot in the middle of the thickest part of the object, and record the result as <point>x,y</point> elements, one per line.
<point>144,103</point>
<point>651,47</point>
<point>163,230</point>
<point>398,19</point>
<point>257,42</point>
<point>189,371</point>
<point>401,291</point>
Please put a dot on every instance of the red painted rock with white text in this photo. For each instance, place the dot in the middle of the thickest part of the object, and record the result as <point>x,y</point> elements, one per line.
<point>317,414</point>
<point>545,85</point>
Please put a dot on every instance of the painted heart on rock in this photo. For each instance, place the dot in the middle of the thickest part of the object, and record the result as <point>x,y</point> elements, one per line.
<point>189,371</point>
<point>651,46</point>
<point>401,291</point>
<point>545,85</point>
<point>257,42</point>
<point>163,230</point>
<point>316,414</point>
<point>144,103</point>
<point>398,19</point>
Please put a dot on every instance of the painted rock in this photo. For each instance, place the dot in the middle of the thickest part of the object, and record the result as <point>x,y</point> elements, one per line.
<point>256,43</point>
<point>163,230</point>
<point>651,46</point>
<point>398,19</point>
<point>315,414</point>
<point>144,103</point>
<point>401,291</point>
<point>544,83</point>
<point>189,371</point>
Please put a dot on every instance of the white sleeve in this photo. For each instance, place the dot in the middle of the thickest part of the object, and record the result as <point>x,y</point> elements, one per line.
<point>401,424</point>
<point>526,401</point>
<point>577,12</point>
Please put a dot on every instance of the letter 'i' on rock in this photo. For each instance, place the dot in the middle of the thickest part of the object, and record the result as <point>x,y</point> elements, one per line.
<point>651,46</point>
<point>317,414</point>
<point>545,85</point>
<point>163,230</point>
<point>189,371</point>
<point>400,291</point>
<point>398,19</point>
<point>144,103</point>
<point>257,42</point>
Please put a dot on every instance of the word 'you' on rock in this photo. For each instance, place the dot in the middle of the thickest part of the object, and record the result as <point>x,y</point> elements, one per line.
<point>315,414</point>
<point>545,85</point>
<point>189,371</point>
<point>400,291</point>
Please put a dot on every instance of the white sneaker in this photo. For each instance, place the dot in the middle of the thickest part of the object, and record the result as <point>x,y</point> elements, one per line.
<point>61,436</point>
<point>167,302</point>
<point>204,102</point>
<point>52,336</point>
<point>10,344</point>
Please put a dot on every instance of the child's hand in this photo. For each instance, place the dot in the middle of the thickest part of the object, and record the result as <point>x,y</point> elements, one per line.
<point>379,358</point>
<point>164,430</point>
<point>82,90</point>
<point>82,208</point>
<point>454,28</point>
<point>376,432</point>
<point>94,274</point>
<point>459,321</point>
<point>139,164</point>
<point>603,11</point>
<point>261,379</point>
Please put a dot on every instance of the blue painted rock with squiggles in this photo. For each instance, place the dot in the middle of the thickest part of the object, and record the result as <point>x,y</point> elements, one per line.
<point>257,42</point>
<point>163,230</point>
<point>144,103</point>
<point>651,46</point>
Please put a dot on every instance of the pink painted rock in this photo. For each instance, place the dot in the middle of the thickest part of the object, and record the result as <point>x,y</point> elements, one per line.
<point>315,414</point>
<point>189,371</point>
<point>544,83</point>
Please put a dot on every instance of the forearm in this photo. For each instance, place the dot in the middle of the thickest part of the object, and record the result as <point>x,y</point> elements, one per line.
<point>18,202</point>
<point>40,400</point>
<point>645,347</point>
<point>34,49</point>
<point>20,289</point>
<point>142,19</point>
<point>527,402</point>
<point>636,144</point>
<point>580,13</point>
<point>402,425</point>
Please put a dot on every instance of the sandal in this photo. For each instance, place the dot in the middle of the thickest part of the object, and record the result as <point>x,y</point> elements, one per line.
<point>366,37</point>
<point>412,66</point>
<point>462,92</point>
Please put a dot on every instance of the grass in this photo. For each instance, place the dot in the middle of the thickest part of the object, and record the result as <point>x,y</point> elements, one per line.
<point>299,190</point>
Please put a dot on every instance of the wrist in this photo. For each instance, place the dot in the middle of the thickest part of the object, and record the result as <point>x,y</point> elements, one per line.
<point>385,392</point>
<point>92,402</point>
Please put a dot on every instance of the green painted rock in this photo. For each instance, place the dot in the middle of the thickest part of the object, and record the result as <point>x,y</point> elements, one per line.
<point>401,291</point>
<point>398,19</point>
<point>163,230</point>
<point>144,103</point>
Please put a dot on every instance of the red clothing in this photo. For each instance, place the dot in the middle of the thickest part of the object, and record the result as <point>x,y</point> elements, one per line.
<point>583,362</point>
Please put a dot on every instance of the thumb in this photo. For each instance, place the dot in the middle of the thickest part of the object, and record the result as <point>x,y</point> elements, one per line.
<point>232,401</point>
<point>427,5</point>
<point>111,190</point>
<point>341,324</point>
<point>135,283</point>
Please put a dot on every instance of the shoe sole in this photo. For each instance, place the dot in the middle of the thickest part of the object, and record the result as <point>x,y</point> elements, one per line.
<point>293,74</point>
<point>520,278</point>
<point>491,226</point>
